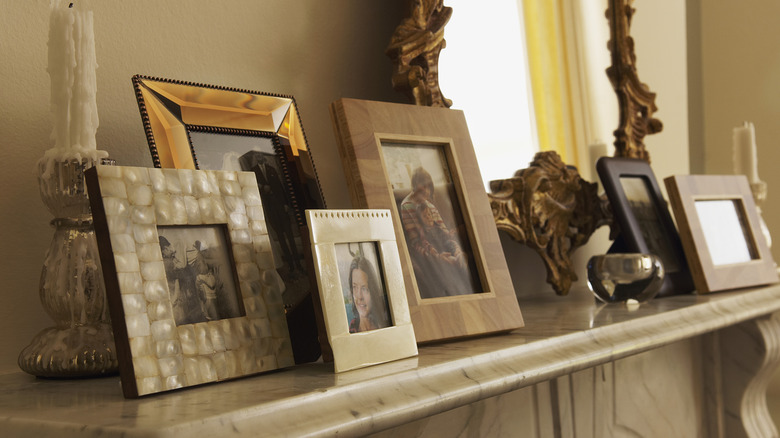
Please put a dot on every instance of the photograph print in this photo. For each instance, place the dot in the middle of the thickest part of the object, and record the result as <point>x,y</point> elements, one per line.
<point>363,286</point>
<point>432,220</point>
<point>224,151</point>
<point>200,273</point>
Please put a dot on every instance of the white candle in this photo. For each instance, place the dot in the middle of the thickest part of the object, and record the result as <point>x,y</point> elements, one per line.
<point>745,155</point>
<point>596,151</point>
<point>71,67</point>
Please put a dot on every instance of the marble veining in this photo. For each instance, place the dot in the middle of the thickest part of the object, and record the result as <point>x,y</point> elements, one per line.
<point>561,337</point>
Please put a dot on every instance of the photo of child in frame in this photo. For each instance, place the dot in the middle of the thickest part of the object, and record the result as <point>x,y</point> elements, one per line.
<point>199,273</point>
<point>365,296</point>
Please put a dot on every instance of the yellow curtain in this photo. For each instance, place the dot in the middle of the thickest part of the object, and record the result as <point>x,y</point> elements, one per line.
<point>551,85</point>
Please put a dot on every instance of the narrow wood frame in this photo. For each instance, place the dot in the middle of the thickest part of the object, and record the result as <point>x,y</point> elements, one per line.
<point>128,204</point>
<point>173,110</point>
<point>361,127</point>
<point>630,237</point>
<point>684,192</point>
<point>357,350</point>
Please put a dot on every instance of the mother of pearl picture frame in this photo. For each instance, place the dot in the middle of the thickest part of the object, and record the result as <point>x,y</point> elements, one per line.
<point>347,242</point>
<point>185,257</point>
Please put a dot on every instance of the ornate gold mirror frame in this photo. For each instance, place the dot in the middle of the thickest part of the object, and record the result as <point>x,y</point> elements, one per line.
<point>635,100</point>
<point>546,206</point>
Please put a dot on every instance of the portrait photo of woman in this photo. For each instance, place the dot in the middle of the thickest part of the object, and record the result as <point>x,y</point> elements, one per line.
<point>365,297</point>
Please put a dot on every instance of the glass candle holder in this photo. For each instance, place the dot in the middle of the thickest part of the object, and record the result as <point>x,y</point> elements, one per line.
<point>616,278</point>
<point>72,291</point>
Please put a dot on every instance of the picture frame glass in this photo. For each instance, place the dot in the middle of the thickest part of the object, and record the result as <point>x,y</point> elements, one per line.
<point>363,286</point>
<point>725,232</point>
<point>645,212</point>
<point>261,155</point>
<point>432,219</point>
<point>200,273</point>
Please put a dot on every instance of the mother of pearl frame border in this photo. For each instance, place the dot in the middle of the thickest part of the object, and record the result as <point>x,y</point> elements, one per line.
<point>128,203</point>
<point>356,350</point>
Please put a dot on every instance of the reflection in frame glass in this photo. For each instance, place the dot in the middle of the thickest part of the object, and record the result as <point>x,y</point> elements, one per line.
<point>720,231</point>
<point>358,268</point>
<point>434,227</point>
<point>170,240</point>
<point>383,147</point>
<point>197,126</point>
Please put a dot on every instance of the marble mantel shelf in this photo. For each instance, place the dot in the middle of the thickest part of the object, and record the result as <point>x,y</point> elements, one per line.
<point>562,335</point>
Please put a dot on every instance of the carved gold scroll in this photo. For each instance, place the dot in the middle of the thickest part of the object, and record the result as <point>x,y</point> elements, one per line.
<point>635,100</point>
<point>414,49</point>
<point>548,207</point>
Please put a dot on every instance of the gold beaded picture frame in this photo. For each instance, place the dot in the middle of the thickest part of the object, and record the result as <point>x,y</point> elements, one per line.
<point>188,269</point>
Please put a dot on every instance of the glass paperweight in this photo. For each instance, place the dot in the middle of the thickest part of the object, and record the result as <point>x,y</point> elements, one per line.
<point>617,278</point>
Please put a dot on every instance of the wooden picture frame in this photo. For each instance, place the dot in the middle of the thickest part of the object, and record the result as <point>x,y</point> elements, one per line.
<point>165,275</point>
<point>642,215</point>
<point>721,231</point>
<point>361,287</point>
<point>197,126</point>
<point>434,138</point>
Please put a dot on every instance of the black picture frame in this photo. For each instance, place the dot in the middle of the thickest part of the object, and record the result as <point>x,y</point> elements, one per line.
<point>177,114</point>
<point>645,225</point>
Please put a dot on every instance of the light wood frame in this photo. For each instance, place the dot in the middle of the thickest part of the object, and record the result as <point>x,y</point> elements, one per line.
<point>361,127</point>
<point>684,192</point>
<point>356,350</point>
<point>128,204</point>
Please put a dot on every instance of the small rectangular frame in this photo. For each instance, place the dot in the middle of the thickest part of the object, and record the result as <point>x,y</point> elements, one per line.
<point>708,275</point>
<point>329,228</point>
<point>652,233</point>
<point>363,128</point>
<point>155,355</point>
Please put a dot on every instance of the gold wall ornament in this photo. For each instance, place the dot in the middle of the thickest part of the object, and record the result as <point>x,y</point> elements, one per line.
<point>551,209</point>
<point>414,49</point>
<point>635,100</point>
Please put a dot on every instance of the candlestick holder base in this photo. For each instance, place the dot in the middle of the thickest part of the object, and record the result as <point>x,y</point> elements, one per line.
<point>759,190</point>
<point>72,290</point>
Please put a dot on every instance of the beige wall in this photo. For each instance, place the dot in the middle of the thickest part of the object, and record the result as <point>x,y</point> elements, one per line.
<point>316,50</point>
<point>740,81</point>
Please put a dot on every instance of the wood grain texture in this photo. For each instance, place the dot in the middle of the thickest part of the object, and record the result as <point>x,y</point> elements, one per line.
<point>360,127</point>
<point>684,191</point>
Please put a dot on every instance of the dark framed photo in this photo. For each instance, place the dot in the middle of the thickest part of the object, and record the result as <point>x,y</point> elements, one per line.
<point>197,126</point>
<point>419,163</point>
<point>361,287</point>
<point>188,268</point>
<point>642,214</point>
<point>720,231</point>
<point>200,273</point>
